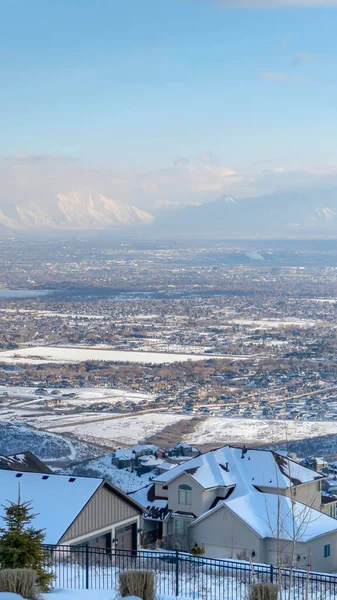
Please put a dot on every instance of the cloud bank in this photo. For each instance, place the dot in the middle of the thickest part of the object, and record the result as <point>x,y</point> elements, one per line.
<point>26,179</point>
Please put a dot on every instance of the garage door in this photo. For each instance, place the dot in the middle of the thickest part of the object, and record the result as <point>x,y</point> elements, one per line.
<point>124,536</point>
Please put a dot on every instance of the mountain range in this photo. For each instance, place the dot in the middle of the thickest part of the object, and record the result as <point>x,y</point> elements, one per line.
<point>301,213</point>
<point>293,213</point>
<point>72,211</point>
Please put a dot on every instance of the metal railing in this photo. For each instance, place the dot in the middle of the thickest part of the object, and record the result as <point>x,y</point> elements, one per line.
<point>181,575</point>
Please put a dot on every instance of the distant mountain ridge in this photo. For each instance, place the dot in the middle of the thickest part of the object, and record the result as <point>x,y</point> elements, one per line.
<point>292,213</point>
<point>76,210</point>
<point>301,213</point>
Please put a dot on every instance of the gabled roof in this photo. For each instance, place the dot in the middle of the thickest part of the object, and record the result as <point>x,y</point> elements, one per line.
<point>276,516</point>
<point>229,466</point>
<point>56,500</point>
<point>24,461</point>
<point>155,508</point>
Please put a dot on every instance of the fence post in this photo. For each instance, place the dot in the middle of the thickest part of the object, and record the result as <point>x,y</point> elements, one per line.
<point>177,573</point>
<point>86,567</point>
<point>271,573</point>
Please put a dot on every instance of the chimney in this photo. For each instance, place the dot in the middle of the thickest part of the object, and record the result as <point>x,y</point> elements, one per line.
<point>244,451</point>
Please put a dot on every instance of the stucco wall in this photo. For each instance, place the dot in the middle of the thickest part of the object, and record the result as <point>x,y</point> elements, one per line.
<point>308,493</point>
<point>201,499</point>
<point>224,535</point>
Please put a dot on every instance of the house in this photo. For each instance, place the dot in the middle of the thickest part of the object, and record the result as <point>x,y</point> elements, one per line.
<point>122,458</point>
<point>147,463</point>
<point>136,457</point>
<point>25,462</point>
<point>242,503</point>
<point>75,510</point>
<point>183,449</point>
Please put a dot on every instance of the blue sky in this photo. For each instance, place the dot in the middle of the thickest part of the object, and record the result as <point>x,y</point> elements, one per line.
<point>133,93</point>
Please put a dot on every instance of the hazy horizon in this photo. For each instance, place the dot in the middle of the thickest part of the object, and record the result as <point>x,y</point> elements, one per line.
<point>166,103</point>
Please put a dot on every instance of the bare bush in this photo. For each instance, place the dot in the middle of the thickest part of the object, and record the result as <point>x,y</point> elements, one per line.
<point>137,583</point>
<point>19,581</point>
<point>263,591</point>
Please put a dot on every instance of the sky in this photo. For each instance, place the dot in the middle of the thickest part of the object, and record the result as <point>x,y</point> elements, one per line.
<point>166,102</point>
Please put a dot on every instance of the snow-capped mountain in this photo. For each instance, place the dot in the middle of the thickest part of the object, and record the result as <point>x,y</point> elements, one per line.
<point>296,213</point>
<point>76,210</point>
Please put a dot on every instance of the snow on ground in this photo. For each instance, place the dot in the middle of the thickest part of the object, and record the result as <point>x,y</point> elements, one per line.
<point>271,323</point>
<point>47,354</point>
<point>83,395</point>
<point>125,479</point>
<point>49,447</point>
<point>254,431</point>
<point>127,430</point>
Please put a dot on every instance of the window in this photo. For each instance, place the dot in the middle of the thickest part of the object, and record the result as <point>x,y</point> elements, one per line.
<point>180,526</point>
<point>332,511</point>
<point>185,495</point>
<point>327,551</point>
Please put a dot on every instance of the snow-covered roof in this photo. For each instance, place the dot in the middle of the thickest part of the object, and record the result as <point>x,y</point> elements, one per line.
<point>56,499</point>
<point>272,516</point>
<point>150,461</point>
<point>123,454</point>
<point>166,466</point>
<point>232,466</point>
<point>155,509</point>
<point>144,448</point>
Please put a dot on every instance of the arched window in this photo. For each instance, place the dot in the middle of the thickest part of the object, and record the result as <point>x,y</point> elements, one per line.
<point>185,495</point>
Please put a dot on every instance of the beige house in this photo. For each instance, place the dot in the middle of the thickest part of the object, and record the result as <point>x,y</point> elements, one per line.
<point>75,510</point>
<point>242,503</point>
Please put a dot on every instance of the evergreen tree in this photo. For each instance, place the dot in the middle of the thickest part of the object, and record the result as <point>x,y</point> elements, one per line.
<point>21,544</point>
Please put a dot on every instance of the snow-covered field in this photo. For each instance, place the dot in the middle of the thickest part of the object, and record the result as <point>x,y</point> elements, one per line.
<point>127,430</point>
<point>83,396</point>
<point>57,354</point>
<point>253,431</point>
<point>273,323</point>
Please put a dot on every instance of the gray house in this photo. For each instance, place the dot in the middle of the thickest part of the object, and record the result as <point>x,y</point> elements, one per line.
<point>240,503</point>
<point>75,510</point>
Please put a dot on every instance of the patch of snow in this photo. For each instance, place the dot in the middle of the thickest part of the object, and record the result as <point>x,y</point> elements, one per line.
<point>256,432</point>
<point>127,430</point>
<point>57,354</point>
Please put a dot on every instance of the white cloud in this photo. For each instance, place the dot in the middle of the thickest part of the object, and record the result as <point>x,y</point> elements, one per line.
<point>189,183</point>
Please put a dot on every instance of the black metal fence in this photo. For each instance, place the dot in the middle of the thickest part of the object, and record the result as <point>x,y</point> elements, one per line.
<point>183,576</point>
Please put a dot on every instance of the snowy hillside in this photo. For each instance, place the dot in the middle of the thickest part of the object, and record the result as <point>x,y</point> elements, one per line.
<point>49,447</point>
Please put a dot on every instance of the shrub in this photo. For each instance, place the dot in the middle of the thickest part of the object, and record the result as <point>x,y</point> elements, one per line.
<point>19,581</point>
<point>263,591</point>
<point>198,550</point>
<point>137,583</point>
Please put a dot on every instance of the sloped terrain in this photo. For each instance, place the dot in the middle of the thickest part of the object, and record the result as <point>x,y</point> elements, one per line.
<point>55,450</point>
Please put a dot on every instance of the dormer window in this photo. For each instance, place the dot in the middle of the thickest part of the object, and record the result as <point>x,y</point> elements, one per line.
<point>185,495</point>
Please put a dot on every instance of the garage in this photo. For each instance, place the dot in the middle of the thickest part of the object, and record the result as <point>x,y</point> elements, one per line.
<point>126,537</point>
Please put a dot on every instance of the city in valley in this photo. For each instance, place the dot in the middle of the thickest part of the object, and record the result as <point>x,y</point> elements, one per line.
<point>208,343</point>
<point>136,363</point>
